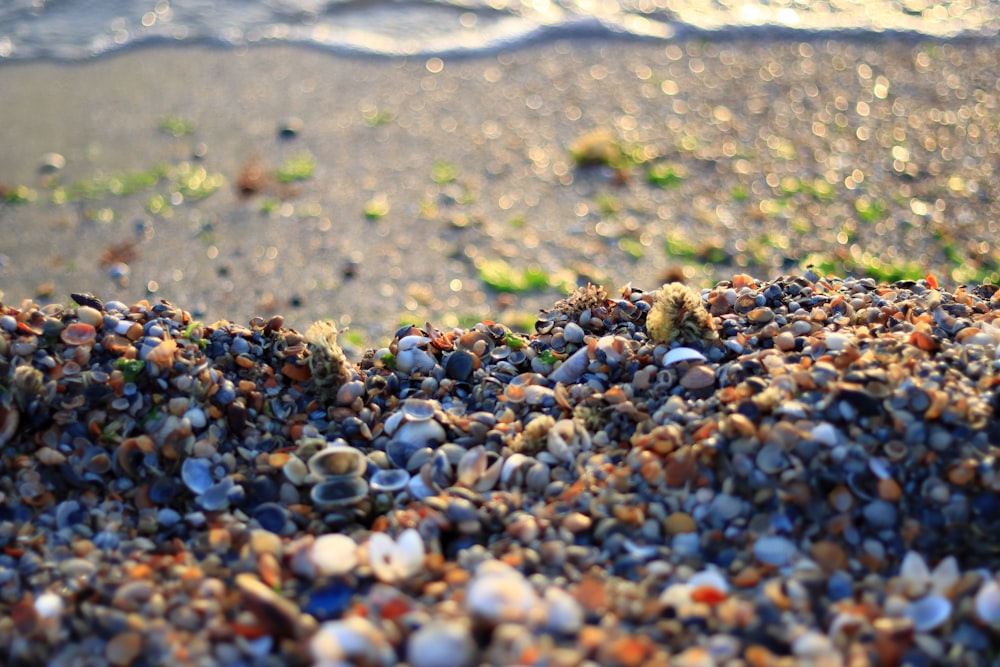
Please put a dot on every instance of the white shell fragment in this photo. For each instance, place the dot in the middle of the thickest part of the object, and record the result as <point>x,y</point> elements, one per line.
<point>682,354</point>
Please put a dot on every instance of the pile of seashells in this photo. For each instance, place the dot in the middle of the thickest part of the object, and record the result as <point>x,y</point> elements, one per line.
<point>796,471</point>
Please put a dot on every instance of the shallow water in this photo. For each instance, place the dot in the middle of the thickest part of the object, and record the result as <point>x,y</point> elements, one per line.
<point>76,30</point>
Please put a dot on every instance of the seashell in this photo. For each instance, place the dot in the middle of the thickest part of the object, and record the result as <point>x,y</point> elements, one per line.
<point>771,459</point>
<point>68,514</point>
<point>420,434</point>
<point>573,368</point>
<point>774,550</point>
<point>563,613</point>
<point>471,467</point>
<point>197,474</point>
<point>460,364</point>
<point>353,640</point>
<point>389,481</point>
<point>914,574</point>
<point>928,612</point>
<point>682,354</point>
<point>411,342</point>
<point>336,461</point>
<point>566,439</point>
<point>437,471</point>
<point>349,391</point>
<point>490,477</point>
<point>945,576</point>
<point>477,342</point>
<point>418,459</point>
<point>216,497</point>
<point>339,492</point>
<point>538,476</point>
<point>79,333</point>
<point>47,456</point>
<point>130,456</point>
<point>416,409</point>
<point>334,554</point>
<point>709,578</point>
<point>272,517</point>
<point>414,361</point>
<point>295,470</point>
<point>500,594</point>
<point>9,420</point>
<point>96,460</point>
<point>418,489</point>
<point>441,643</point>
<point>536,394</point>
<point>396,560</point>
<point>163,490</point>
<point>511,465</point>
<point>988,603</point>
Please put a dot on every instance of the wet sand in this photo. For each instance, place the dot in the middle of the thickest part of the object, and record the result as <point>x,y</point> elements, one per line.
<point>872,158</point>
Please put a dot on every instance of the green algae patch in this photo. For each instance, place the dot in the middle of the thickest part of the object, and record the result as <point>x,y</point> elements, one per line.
<point>176,126</point>
<point>296,168</point>
<point>666,175</point>
<point>377,207</point>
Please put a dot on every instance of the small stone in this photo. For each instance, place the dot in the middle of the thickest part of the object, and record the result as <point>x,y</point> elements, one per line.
<point>679,522</point>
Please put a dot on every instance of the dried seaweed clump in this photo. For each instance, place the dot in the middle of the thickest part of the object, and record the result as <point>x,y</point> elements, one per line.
<point>582,298</point>
<point>327,362</point>
<point>678,314</point>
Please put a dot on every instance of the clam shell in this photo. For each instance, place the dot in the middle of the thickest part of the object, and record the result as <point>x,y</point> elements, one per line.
<point>336,461</point>
<point>928,612</point>
<point>418,409</point>
<point>682,354</point>
<point>339,492</point>
<point>389,481</point>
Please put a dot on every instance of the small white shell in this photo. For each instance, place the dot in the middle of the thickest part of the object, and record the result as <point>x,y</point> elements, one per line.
<point>411,342</point>
<point>681,354</point>
<point>334,554</point>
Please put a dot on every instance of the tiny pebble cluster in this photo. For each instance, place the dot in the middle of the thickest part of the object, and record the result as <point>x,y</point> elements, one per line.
<point>801,471</point>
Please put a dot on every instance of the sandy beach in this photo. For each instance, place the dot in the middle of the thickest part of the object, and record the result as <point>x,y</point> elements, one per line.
<point>435,180</point>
